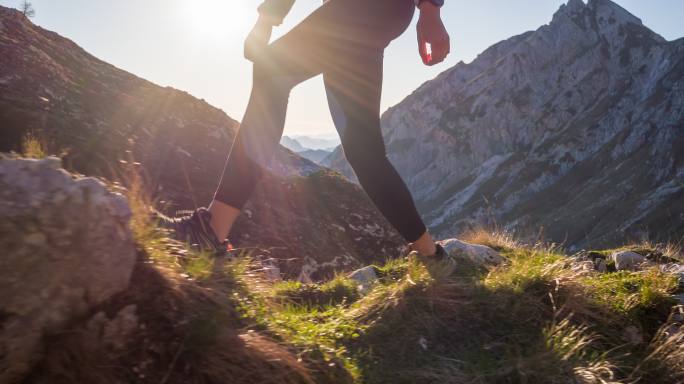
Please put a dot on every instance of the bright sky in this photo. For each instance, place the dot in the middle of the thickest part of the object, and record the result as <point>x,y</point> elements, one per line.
<point>196,45</point>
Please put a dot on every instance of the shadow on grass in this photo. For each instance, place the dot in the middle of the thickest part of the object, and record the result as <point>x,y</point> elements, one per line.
<point>184,332</point>
<point>541,329</point>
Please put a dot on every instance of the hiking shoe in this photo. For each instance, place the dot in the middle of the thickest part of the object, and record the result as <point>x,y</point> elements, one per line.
<point>441,264</point>
<point>193,228</point>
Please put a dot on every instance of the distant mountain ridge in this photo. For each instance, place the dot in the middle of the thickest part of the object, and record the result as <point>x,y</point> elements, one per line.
<point>292,144</point>
<point>97,116</point>
<point>318,156</point>
<point>318,142</point>
<point>576,128</point>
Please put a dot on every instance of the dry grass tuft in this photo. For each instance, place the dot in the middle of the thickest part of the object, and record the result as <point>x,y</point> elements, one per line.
<point>669,250</point>
<point>497,240</point>
<point>32,147</point>
<point>665,360</point>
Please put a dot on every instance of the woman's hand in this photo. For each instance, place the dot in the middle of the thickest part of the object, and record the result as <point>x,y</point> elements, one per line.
<point>271,14</point>
<point>274,11</point>
<point>431,32</point>
<point>258,38</point>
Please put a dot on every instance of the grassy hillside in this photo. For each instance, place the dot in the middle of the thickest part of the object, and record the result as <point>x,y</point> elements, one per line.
<point>542,317</point>
<point>538,319</point>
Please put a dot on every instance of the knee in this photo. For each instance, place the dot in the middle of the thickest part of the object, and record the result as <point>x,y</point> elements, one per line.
<point>262,70</point>
<point>270,79</point>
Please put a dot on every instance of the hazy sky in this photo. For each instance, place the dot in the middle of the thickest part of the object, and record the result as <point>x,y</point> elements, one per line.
<point>196,45</point>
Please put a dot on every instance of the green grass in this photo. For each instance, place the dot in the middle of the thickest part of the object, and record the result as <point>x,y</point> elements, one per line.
<point>527,268</point>
<point>153,241</point>
<point>532,320</point>
<point>339,290</point>
<point>625,291</point>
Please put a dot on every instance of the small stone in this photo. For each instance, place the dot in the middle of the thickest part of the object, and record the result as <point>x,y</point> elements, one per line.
<point>627,260</point>
<point>583,267</point>
<point>478,254</point>
<point>365,278</point>
<point>423,343</point>
<point>272,273</point>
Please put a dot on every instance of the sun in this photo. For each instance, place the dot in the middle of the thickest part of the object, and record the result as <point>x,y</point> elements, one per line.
<point>216,18</point>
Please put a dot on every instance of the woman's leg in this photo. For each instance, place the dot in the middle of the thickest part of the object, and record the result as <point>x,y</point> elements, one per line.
<point>345,39</point>
<point>301,54</point>
<point>256,140</point>
<point>354,90</point>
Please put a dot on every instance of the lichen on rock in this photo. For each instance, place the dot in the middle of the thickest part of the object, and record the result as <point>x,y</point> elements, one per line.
<point>66,249</point>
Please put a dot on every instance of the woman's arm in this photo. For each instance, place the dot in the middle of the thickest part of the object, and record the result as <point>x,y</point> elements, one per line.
<point>271,13</point>
<point>258,39</point>
<point>274,11</point>
<point>433,39</point>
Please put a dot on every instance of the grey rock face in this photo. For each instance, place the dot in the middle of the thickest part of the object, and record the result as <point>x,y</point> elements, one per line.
<point>576,127</point>
<point>66,248</point>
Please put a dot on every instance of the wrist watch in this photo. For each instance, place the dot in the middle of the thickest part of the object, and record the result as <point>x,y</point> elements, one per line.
<point>437,3</point>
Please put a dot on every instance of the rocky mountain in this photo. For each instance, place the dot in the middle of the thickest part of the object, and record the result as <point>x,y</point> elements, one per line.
<point>325,142</point>
<point>576,128</point>
<point>102,121</point>
<point>292,144</point>
<point>318,156</point>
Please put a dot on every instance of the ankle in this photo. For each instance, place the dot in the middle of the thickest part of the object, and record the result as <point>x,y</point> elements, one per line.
<point>222,218</point>
<point>425,245</point>
<point>426,251</point>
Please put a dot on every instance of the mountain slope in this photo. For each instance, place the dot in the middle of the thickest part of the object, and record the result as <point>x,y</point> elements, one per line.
<point>315,155</point>
<point>92,114</point>
<point>291,144</point>
<point>576,128</point>
<point>103,297</point>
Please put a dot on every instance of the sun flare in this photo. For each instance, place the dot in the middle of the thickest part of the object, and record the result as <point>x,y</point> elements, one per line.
<point>216,17</point>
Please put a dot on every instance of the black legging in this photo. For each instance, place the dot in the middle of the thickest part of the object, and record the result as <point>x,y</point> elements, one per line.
<point>344,40</point>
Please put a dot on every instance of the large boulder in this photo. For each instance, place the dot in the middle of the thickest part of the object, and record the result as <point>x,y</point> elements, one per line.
<point>66,248</point>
